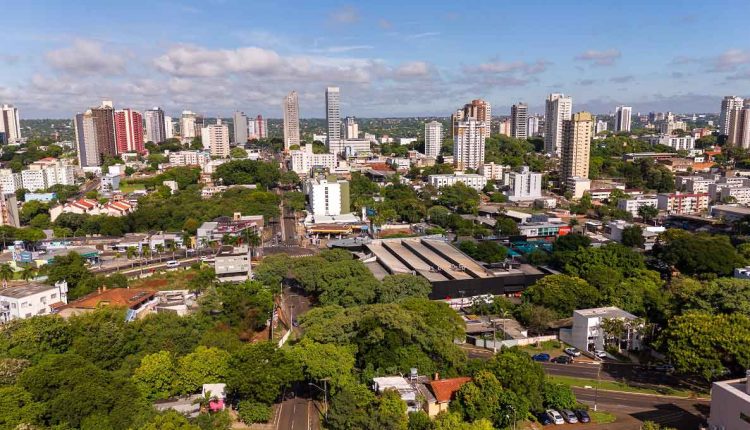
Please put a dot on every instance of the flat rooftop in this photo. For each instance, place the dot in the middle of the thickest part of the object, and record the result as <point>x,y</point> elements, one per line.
<point>605,312</point>
<point>24,290</point>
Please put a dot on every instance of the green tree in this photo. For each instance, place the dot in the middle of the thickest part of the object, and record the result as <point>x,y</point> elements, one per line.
<point>259,372</point>
<point>203,366</point>
<point>571,242</point>
<point>253,412</point>
<point>563,294</point>
<point>396,287</point>
<point>459,197</point>
<point>155,377</point>
<point>648,213</point>
<point>389,412</point>
<point>6,273</point>
<point>325,361</point>
<point>506,227</point>
<point>558,396</point>
<point>237,152</point>
<point>169,420</point>
<point>17,407</point>
<point>699,253</point>
<point>351,408</point>
<point>632,236</point>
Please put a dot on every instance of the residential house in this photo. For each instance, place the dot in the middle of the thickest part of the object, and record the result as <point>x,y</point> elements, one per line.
<point>25,300</point>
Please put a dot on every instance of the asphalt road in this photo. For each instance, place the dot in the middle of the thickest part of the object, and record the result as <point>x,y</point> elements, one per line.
<point>297,414</point>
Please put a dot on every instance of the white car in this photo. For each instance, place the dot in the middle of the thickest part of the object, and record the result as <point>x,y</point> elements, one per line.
<point>573,352</point>
<point>173,263</point>
<point>555,416</point>
<point>601,354</point>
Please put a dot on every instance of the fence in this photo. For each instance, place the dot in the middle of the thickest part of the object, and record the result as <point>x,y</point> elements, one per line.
<point>509,343</point>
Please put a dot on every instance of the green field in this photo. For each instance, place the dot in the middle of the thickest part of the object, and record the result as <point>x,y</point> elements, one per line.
<point>621,386</point>
<point>129,188</point>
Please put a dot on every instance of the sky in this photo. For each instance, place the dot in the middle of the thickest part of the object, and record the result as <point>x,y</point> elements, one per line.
<point>390,58</point>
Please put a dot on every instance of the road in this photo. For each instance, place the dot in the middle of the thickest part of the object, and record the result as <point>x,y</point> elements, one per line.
<point>298,413</point>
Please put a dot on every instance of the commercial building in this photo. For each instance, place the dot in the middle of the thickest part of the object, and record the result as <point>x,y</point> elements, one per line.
<point>633,205</point>
<point>622,118</point>
<point>470,180</point>
<point>232,264</point>
<point>557,109</point>
<point>156,128</point>
<point>129,131</point>
<point>350,147</point>
<point>327,197</point>
<point>239,125</point>
<point>20,301</point>
<point>215,139</point>
<point>468,143</point>
<point>238,225</point>
<point>576,146</point>
<point>577,186</point>
<point>10,124</point>
<point>728,105</point>
<point>587,333</point>
<point>86,145</point>
<point>333,115</point>
<point>304,160</point>
<point>524,185</point>
<point>519,116</point>
<point>290,107</point>
<point>683,203</point>
<point>492,171</point>
<point>730,404</point>
<point>433,138</point>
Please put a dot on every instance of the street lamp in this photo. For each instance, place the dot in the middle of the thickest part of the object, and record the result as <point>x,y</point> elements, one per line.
<point>325,393</point>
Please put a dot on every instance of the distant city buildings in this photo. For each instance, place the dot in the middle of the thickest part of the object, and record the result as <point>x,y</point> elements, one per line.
<point>257,128</point>
<point>333,115</point>
<point>433,138</point>
<point>290,107</point>
<point>519,117</point>
<point>86,145</point>
<point>622,118</point>
<point>468,143</point>
<point>189,126</point>
<point>739,125</point>
<point>601,126</point>
<point>104,129</point>
<point>505,127</point>
<point>535,126</point>
<point>576,146</point>
<point>239,124</point>
<point>215,139</point>
<point>156,125</point>
<point>168,128</point>
<point>10,124</point>
<point>557,109</point>
<point>351,127</point>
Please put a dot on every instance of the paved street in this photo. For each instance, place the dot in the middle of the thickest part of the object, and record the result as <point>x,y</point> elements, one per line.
<point>299,411</point>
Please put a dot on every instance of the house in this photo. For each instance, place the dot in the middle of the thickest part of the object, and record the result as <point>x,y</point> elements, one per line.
<point>137,301</point>
<point>443,391</point>
<point>587,333</point>
<point>232,264</point>
<point>19,301</point>
<point>405,389</point>
<point>237,226</point>
<point>730,404</point>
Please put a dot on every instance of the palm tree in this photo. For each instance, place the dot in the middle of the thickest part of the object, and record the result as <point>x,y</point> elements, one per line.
<point>253,240</point>
<point>29,272</point>
<point>6,273</point>
<point>172,246</point>
<point>159,248</point>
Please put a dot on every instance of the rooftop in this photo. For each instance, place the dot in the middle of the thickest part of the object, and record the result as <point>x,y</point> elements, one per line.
<point>115,297</point>
<point>444,389</point>
<point>20,291</point>
<point>605,312</point>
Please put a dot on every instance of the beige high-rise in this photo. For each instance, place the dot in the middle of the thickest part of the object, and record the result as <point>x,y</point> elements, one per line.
<point>291,120</point>
<point>576,146</point>
<point>478,109</point>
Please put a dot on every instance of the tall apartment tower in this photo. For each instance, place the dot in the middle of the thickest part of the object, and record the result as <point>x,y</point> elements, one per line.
<point>168,128</point>
<point>728,105</point>
<point>576,146</point>
<point>622,118</point>
<point>129,131</point>
<point>478,109</point>
<point>290,106</point>
<point>239,120</point>
<point>333,114</point>
<point>156,130</point>
<point>88,150</point>
<point>10,124</point>
<point>215,138</point>
<point>468,144</point>
<point>188,126</point>
<point>351,128</point>
<point>739,126</point>
<point>104,123</point>
<point>433,138</point>
<point>557,108</point>
<point>519,117</point>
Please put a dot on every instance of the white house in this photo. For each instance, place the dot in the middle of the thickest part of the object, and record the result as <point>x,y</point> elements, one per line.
<point>587,333</point>
<point>28,300</point>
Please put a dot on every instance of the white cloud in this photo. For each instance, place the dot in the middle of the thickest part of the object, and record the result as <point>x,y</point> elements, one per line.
<point>731,59</point>
<point>345,15</point>
<point>87,57</point>
<point>600,58</point>
<point>413,69</point>
<point>423,35</point>
<point>500,67</point>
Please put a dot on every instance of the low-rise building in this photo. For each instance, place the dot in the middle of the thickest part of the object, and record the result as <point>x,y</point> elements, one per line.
<point>443,392</point>
<point>683,203</point>
<point>588,333</point>
<point>578,186</point>
<point>730,404</point>
<point>137,301</point>
<point>189,158</point>
<point>492,171</point>
<point>401,385</point>
<point>232,264</point>
<point>238,225</point>
<point>304,160</point>
<point>739,195</point>
<point>524,185</point>
<point>613,230</point>
<point>685,143</point>
<point>730,213</point>
<point>471,180</point>
<point>327,197</point>
<point>633,205</point>
<point>539,230</point>
<point>19,301</point>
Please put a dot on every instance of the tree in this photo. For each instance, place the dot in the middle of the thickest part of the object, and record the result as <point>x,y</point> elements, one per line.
<point>479,398</point>
<point>237,152</point>
<point>506,226</point>
<point>396,287</point>
<point>460,197</point>
<point>351,408</point>
<point>390,412</point>
<point>259,372</point>
<point>648,212</point>
<point>563,294</point>
<point>169,420</point>
<point>155,377</point>
<point>558,396</point>
<point>571,242</point>
<point>203,366</point>
<point>6,273</point>
<point>698,253</point>
<point>334,363</point>
<point>253,412</point>
<point>248,172</point>
<point>632,236</point>
<point>17,407</point>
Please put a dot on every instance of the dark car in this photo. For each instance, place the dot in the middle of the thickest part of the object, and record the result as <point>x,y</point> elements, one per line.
<point>543,418</point>
<point>562,359</point>
<point>583,416</point>
<point>542,356</point>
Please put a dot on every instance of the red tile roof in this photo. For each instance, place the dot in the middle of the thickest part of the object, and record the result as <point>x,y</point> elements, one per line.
<point>445,389</point>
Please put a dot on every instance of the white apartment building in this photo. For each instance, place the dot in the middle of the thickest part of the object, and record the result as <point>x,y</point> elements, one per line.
<point>587,333</point>
<point>86,141</point>
<point>740,195</point>
<point>349,147</point>
<point>333,114</point>
<point>715,189</point>
<point>683,203</point>
<point>28,300</point>
<point>10,123</point>
<point>168,127</point>
<point>188,126</point>
<point>327,198</point>
<point>534,126</point>
<point>215,139</point>
<point>468,144</point>
<point>189,158</point>
<point>492,171</point>
<point>557,109</point>
<point>695,184</point>
<point>632,205</point>
<point>239,126</point>
<point>578,186</point>
<point>155,125</point>
<point>622,118</point>
<point>600,126</point>
<point>9,181</point>
<point>45,173</point>
<point>351,128</point>
<point>524,185</point>
<point>433,138</point>
<point>670,125</point>
<point>730,404</point>
<point>470,180</point>
<point>686,143</point>
<point>728,105</point>
<point>304,160</point>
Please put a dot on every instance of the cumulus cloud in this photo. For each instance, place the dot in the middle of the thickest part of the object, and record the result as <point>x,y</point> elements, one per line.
<point>87,57</point>
<point>599,58</point>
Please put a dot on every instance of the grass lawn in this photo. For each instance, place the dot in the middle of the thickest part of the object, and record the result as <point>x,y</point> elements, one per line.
<point>173,280</point>
<point>601,417</point>
<point>620,386</point>
<point>129,188</point>
<point>551,347</point>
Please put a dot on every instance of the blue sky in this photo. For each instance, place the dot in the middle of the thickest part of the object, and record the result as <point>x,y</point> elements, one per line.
<point>390,58</point>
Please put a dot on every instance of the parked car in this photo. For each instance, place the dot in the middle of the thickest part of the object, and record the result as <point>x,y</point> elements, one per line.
<point>555,416</point>
<point>542,356</point>
<point>562,359</point>
<point>665,368</point>
<point>573,352</point>
<point>569,416</point>
<point>173,263</point>
<point>583,416</point>
<point>599,353</point>
<point>543,418</point>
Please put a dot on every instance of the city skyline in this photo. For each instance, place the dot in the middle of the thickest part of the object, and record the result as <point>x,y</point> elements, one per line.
<point>393,69</point>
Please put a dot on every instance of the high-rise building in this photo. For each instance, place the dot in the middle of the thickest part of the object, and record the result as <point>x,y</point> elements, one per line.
<point>257,128</point>
<point>557,109</point>
<point>88,150</point>
<point>576,146</point>
<point>739,126</point>
<point>523,184</point>
<point>433,138</point>
<point>188,126</point>
<point>215,138</point>
<point>10,124</point>
<point>290,106</point>
<point>156,129</point>
<point>168,128</point>
<point>352,129</point>
<point>468,144</point>
<point>622,118</point>
<point>129,131</point>
<point>505,127</point>
<point>728,105</point>
<point>478,109</point>
<point>601,126</point>
<point>104,124</point>
<point>333,114</point>
<point>519,117</point>
<point>534,126</point>
<point>239,121</point>
<point>9,210</point>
